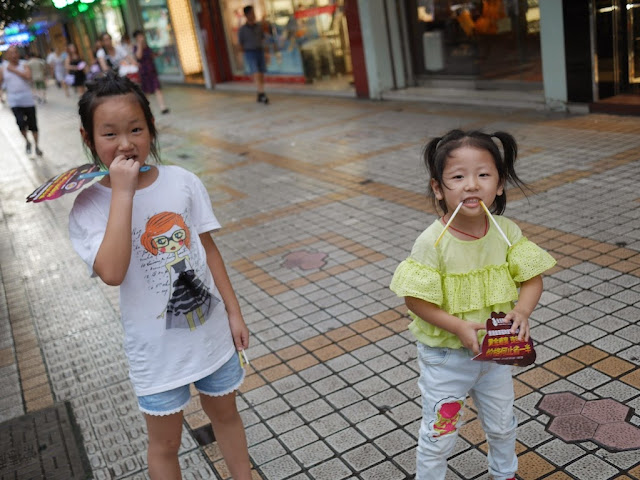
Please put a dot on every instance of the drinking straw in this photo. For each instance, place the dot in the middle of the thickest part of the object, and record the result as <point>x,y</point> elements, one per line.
<point>455,212</point>
<point>102,173</point>
<point>495,223</point>
<point>243,356</point>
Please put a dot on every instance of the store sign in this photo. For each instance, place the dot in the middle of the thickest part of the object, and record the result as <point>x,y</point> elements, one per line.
<point>20,38</point>
<point>66,3</point>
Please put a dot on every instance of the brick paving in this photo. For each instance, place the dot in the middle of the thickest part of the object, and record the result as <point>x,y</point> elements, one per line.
<point>319,199</point>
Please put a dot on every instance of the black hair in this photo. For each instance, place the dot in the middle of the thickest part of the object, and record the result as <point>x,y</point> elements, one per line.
<point>439,149</point>
<point>137,32</point>
<point>247,10</point>
<point>107,85</point>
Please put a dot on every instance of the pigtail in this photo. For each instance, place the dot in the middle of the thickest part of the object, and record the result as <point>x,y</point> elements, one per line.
<point>508,173</point>
<point>429,158</point>
<point>429,155</point>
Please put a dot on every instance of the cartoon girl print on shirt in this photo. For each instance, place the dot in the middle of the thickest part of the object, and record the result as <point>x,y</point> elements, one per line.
<point>189,300</point>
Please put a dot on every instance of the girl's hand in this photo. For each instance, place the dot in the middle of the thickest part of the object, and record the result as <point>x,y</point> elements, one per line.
<point>239,331</point>
<point>468,335</point>
<point>520,321</point>
<point>123,174</point>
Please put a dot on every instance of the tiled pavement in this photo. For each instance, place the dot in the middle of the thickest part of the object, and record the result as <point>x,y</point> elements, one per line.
<point>320,199</point>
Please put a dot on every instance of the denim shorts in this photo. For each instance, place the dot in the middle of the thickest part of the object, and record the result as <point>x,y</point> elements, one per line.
<point>255,61</point>
<point>223,381</point>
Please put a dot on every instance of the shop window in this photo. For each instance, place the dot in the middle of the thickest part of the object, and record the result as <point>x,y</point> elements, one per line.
<point>487,39</point>
<point>160,37</point>
<point>306,38</point>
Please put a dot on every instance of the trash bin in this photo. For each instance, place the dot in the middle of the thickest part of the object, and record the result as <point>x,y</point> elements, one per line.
<point>433,50</point>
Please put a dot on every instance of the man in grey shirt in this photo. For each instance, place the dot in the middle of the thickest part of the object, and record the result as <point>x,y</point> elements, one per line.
<point>251,38</point>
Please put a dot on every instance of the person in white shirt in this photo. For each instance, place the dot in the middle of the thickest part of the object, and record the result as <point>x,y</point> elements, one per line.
<point>149,232</point>
<point>38,74</point>
<point>110,55</point>
<point>15,74</point>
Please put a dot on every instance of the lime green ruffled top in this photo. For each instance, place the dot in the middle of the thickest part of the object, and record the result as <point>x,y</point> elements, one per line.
<point>468,279</point>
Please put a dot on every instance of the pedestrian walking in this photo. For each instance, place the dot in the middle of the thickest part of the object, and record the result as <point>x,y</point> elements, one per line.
<point>94,68</point>
<point>110,55</point>
<point>75,67</point>
<point>251,40</point>
<point>56,61</point>
<point>451,283</point>
<point>38,69</point>
<point>149,232</point>
<point>15,74</point>
<point>148,72</point>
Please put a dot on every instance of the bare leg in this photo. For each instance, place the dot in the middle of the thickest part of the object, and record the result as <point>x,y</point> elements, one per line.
<point>229,431</point>
<point>160,97</point>
<point>164,442</point>
<point>35,140</point>
<point>259,78</point>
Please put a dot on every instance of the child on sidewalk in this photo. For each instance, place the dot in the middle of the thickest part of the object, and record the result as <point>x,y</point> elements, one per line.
<point>452,283</point>
<point>149,233</point>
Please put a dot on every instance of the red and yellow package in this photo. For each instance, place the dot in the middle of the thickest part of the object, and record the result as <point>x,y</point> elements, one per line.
<point>502,346</point>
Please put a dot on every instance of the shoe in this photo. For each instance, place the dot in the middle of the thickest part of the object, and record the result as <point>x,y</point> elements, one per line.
<point>262,98</point>
<point>165,111</point>
<point>28,148</point>
<point>38,152</point>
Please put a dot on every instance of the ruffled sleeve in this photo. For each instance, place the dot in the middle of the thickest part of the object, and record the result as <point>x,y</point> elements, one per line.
<point>414,279</point>
<point>527,260</point>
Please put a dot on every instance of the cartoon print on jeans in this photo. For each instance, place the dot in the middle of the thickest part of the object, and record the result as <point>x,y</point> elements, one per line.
<point>447,416</point>
<point>189,300</point>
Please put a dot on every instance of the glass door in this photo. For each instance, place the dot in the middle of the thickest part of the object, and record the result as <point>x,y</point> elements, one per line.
<point>607,55</point>
<point>633,34</point>
<point>616,27</point>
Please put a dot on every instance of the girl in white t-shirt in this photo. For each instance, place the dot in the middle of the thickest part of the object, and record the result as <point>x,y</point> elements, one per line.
<point>181,319</point>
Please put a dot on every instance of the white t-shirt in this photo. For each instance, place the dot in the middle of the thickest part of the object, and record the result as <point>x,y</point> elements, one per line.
<point>114,61</point>
<point>175,323</point>
<point>18,89</point>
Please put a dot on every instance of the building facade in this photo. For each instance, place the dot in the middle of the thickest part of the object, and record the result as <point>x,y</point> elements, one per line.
<point>567,51</point>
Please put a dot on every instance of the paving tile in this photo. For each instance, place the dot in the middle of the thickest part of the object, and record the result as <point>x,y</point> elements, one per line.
<point>266,451</point>
<point>375,426</point>
<point>563,366</point>
<point>363,457</point>
<point>469,464</point>
<point>337,327</point>
<point>330,470</point>
<point>591,467</point>
<point>587,354</point>
<point>384,470</point>
<point>298,438</point>
<point>560,453</point>
<point>310,455</point>
<point>532,466</point>
<point>280,468</point>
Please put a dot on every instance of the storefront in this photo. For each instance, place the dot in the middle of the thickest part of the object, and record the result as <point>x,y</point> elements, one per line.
<point>156,22</point>
<point>616,29</point>
<point>306,40</point>
<point>602,49</point>
<point>168,24</point>
<point>483,40</point>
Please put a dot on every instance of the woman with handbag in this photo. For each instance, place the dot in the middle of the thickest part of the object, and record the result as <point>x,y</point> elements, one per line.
<point>75,66</point>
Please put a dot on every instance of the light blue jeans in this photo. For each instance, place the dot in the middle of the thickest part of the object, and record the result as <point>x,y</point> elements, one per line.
<point>446,377</point>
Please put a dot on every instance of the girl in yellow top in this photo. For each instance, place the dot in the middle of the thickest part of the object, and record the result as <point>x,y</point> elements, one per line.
<point>451,289</point>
